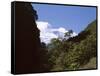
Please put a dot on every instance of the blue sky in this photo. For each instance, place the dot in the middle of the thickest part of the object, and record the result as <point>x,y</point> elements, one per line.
<point>66,17</point>
<point>70,17</point>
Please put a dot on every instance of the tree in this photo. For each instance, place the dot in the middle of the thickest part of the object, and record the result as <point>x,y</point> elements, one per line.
<point>44,57</point>
<point>68,34</point>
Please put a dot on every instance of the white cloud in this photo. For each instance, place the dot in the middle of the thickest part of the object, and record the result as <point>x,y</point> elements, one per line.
<point>63,30</point>
<point>74,34</point>
<point>47,32</point>
<point>43,26</point>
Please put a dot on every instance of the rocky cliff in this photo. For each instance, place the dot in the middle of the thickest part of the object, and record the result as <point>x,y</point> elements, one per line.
<point>27,41</point>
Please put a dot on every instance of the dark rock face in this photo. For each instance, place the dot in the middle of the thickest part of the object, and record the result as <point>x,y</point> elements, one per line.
<point>27,41</point>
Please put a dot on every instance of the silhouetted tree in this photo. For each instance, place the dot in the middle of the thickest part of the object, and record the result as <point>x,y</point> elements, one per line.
<point>68,34</point>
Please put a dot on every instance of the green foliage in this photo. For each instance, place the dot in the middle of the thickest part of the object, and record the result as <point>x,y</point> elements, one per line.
<point>71,54</point>
<point>90,65</point>
<point>68,33</point>
<point>44,57</point>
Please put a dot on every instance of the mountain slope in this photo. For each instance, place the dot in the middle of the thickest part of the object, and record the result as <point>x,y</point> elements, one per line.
<point>91,27</point>
<point>75,52</point>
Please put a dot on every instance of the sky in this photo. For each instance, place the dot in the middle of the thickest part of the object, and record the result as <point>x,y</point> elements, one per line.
<point>54,20</point>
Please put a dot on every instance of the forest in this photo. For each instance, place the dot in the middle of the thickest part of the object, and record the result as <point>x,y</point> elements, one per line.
<point>74,53</point>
